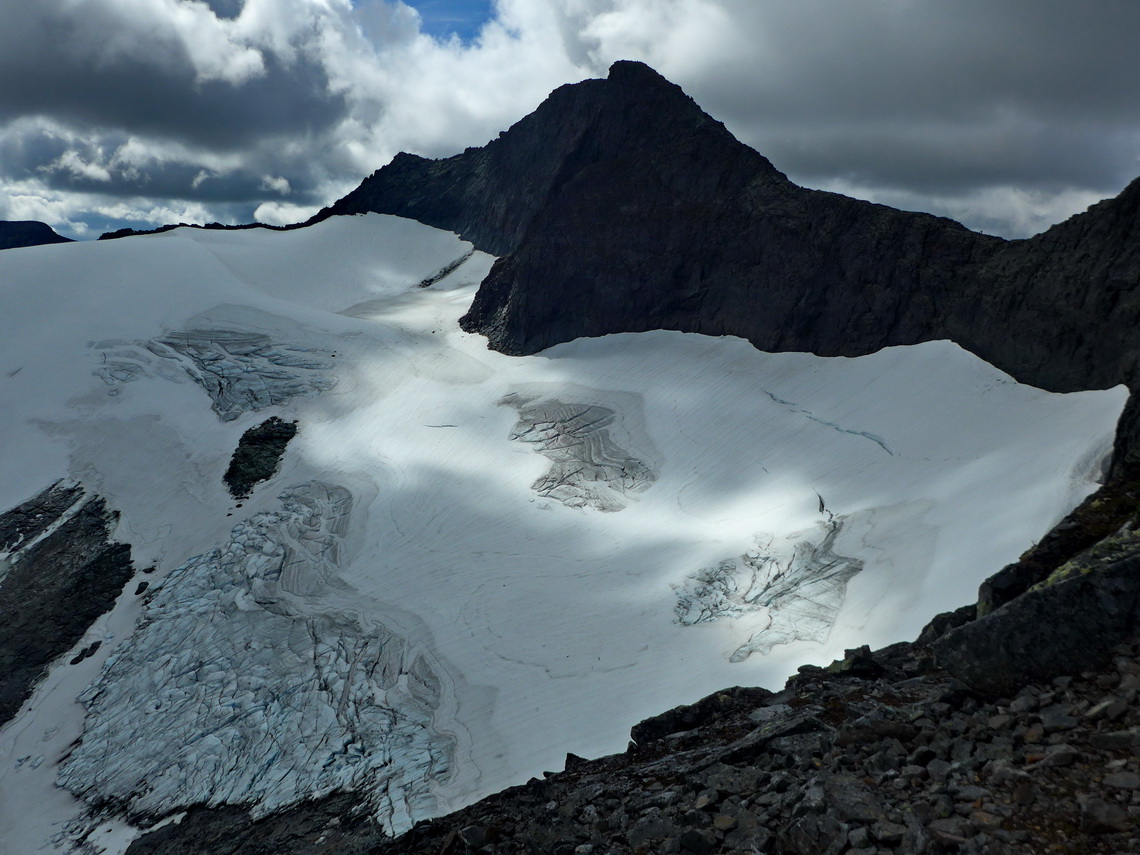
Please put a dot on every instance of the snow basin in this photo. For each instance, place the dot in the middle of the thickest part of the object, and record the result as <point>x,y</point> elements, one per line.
<point>469,564</point>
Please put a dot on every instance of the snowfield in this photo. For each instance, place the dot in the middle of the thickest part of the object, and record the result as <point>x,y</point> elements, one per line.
<point>468,564</point>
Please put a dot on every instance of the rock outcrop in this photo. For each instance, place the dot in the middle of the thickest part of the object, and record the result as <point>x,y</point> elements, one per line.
<point>59,570</point>
<point>258,455</point>
<point>18,233</point>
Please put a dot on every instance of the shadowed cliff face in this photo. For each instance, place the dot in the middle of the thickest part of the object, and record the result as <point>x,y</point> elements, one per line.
<point>619,206</point>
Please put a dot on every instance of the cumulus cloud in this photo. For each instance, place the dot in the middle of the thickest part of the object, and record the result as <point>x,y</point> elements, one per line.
<point>1007,115</point>
<point>283,213</point>
<point>275,184</point>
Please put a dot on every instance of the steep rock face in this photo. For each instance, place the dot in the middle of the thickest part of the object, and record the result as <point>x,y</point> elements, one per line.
<point>619,206</point>
<point>1060,309</point>
<point>17,233</point>
<point>1059,629</point>
<point>59,570</point>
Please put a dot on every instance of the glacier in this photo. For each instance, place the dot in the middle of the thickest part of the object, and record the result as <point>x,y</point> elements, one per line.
<point>289,695</point>
<point>468,564</point>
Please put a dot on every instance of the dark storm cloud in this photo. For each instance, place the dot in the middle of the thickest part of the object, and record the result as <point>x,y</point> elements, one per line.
<point>939,95</point>
<point>43,155</point>
<point>940,158</point>
<point>90,72</point>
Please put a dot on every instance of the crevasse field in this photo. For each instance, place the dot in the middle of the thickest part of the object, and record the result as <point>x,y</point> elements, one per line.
<point>468,563</point>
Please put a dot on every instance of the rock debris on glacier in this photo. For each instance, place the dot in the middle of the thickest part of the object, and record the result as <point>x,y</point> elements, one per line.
<point>787,588</point>
<point>587,467</point>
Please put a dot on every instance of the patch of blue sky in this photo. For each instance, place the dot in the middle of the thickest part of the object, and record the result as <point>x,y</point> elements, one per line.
<point>444,18</point>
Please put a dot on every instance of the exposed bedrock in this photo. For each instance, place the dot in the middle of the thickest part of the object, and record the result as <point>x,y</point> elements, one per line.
<point>59,570</point>
<point>258,455</point>
<point>1061,608</point>
<point>619,206</point>
<point>1062,628</point>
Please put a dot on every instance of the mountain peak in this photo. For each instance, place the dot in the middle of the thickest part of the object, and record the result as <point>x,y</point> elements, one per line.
<point>492,194</point>
<point>625,72</point>
<point>636,79</point>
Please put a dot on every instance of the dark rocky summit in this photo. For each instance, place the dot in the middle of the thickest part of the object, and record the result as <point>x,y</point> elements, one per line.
<point>59,570</point>
<point>17,233</point>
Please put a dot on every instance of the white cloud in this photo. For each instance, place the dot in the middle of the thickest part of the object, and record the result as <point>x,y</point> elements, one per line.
<point>73,214</point>
<point>72,162</point>
<point>275,184</point>
<point>282,213</point>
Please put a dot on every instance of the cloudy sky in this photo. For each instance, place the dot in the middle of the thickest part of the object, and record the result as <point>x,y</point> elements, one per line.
<point>1008,115</point>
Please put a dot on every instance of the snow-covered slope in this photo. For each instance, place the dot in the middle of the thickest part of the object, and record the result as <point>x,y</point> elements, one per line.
<point>468,564</point>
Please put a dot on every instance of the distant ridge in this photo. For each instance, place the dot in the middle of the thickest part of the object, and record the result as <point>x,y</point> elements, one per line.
<point>221,227</point>
<point>17,233</point>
